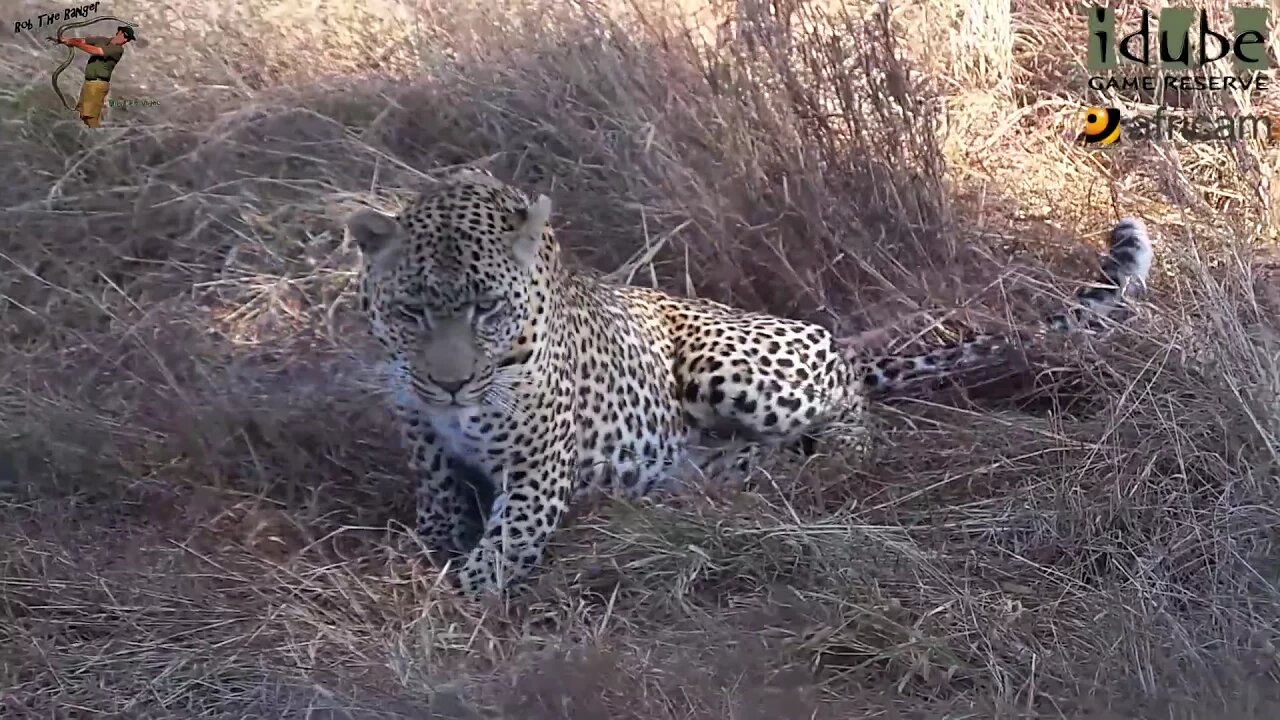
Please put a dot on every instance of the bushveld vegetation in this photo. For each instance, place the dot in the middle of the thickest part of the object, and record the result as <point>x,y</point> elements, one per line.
<point>202,502</point>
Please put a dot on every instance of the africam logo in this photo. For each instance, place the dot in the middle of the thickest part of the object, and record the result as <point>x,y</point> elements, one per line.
<point>1101,126</point>
<point>1105,126</point>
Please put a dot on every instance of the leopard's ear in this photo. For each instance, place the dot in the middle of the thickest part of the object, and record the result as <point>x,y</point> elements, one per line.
<point>531,226</point>
<point>372,231</point>
<point>474,172</point>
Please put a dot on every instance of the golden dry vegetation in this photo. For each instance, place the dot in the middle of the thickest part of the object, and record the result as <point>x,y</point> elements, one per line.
<point>202,509</point>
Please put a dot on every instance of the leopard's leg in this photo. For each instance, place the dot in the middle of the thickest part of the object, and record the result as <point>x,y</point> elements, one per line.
<point>533,495</point>
<point>452,497</point>
<point>770,384</point>
<point>848,433</point>
<point>726,463</point>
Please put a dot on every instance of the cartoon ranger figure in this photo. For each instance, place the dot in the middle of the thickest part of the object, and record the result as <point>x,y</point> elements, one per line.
<point>104,54</point>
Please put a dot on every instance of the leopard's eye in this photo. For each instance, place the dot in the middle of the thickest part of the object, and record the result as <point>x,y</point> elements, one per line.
<point>485,306</point>
<point>408,313</point>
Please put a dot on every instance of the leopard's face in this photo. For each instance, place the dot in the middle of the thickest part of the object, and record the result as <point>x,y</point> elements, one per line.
<point>448,287</point>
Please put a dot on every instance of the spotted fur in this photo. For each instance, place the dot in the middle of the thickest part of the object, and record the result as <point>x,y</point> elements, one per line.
<point>1098,308</point>
<point>522,384</point>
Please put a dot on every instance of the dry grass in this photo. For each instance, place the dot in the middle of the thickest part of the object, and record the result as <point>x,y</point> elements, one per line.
<point>200,509</point>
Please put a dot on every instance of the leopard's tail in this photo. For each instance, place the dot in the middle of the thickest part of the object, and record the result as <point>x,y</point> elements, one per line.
<point>1096,309</point>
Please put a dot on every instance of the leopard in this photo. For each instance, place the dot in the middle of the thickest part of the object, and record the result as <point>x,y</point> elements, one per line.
<point>522,384</point>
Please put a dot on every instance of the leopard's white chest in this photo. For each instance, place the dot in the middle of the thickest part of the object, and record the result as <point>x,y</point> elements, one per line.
<point>459,430</point>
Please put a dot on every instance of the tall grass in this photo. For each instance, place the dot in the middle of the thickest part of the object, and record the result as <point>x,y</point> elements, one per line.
<point>201,508</point>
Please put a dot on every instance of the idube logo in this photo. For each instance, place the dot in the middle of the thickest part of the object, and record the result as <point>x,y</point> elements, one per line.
<point>1166,45</point>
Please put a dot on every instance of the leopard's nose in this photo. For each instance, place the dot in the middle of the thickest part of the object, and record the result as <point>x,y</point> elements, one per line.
<point>452,386</point>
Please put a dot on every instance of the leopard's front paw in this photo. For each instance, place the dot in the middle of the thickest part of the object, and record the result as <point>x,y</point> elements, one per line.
<point>483,572</point>
<point>472,575</point>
